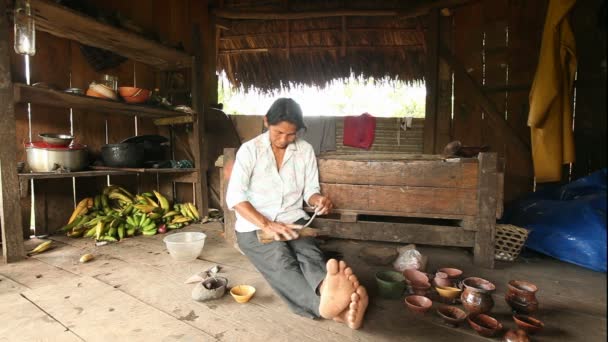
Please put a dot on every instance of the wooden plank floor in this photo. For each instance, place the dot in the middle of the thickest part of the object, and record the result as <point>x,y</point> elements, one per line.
<point>133,290</point>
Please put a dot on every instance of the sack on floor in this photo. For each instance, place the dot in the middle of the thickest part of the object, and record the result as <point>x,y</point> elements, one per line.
<point>566,222</point>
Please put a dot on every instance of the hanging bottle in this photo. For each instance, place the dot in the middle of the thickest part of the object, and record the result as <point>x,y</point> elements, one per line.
<point>25,31</point>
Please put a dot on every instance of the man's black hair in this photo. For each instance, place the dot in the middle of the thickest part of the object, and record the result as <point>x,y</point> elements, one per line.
<point>285,109</point>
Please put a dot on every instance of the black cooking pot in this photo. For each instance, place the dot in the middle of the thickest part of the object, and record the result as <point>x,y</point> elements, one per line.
<point>155,146</point>
<point>123,155</point>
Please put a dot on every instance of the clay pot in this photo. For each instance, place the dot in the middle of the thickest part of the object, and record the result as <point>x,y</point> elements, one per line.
<point>451,315</point>
<point>484,325</point>
<point>521,296</point>
<point>516,336</point>
<point>528,324</point>
<point>453,273</point>
<point>418,304</point>
<point>477,295</point>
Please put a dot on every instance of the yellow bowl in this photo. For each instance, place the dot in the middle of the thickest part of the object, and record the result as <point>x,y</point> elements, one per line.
<point>448,292</point>
<point>242,293</point>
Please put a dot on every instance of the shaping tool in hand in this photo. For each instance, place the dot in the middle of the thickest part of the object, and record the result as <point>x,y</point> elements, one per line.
<point>311,219</point>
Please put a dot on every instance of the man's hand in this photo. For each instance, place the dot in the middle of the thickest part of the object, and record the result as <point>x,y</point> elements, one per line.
<point>323,205</point>
<point>280,230</point>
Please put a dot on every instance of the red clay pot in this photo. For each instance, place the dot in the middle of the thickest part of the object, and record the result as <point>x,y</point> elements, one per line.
<point>477,295</point>
<point>521,296</point>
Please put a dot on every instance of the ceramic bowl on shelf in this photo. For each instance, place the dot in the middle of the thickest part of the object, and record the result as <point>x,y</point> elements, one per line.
<point>101,91</point>
<point>134,95</point>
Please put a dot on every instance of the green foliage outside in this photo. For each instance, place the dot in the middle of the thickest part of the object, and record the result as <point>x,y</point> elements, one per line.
<point>353,96</point>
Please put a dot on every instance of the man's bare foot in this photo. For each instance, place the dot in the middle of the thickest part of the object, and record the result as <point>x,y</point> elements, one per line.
<point>353,316</point>
<point>336,289</point>
<point>357,309</point>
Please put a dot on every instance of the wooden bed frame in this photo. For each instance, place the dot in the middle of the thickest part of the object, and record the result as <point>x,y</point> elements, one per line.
<point>423,199</point>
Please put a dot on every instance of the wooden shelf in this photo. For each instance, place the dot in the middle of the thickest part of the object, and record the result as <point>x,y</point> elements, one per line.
<point>54,98</point>
<point>63,22</point>
<point>101,171</point>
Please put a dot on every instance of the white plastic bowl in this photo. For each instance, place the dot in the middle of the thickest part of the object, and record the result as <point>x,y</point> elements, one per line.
<point>186,246</point>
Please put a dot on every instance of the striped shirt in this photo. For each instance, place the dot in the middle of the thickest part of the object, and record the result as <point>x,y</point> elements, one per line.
<point>278,195</point>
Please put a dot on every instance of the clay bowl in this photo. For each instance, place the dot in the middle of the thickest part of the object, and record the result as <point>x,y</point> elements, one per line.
<point>484,325</point>
<point>101,91</point>
<point>448,292</point>
<point>516,336</point>
<point>211,288</point>
<point>134,95</point>
<point>453,273</point>
<point>443,282</point>
<point>528,324</point>
<point>479,284</point>
<point>418,304</point>
<point>242,293</point>
<point>421,290</point>
<point>415,277</point>
<point>451,315</point>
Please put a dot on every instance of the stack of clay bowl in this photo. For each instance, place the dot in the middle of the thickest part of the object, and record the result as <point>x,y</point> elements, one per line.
<point>417,282</point>
<point>446,283</point>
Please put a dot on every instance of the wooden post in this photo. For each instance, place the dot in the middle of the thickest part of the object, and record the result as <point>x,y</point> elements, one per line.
<point>10,207</point>
<point>199,147</point>
<point>229,215</point>
<point>486,221</point>
<point>431,82</point>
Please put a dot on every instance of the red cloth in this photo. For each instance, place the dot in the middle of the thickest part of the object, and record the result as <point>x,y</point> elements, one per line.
<point>359,131</point>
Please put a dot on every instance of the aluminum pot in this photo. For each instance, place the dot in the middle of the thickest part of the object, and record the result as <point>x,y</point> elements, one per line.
<point>42,157</point>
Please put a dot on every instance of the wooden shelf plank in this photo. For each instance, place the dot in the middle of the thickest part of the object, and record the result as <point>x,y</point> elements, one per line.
<point>63,22</point>
<point>48,97</point>
<point>145,170</point>
<point>102,171</point>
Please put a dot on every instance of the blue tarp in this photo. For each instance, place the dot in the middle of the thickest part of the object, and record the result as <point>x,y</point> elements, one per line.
<point>566,222</point>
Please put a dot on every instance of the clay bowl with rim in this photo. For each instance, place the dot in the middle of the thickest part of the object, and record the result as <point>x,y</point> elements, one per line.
<point>242,293</point>
<point>479,284</point>
<point>448,292</point>
<point>484,325</point>
<point>453,273</point>
<point>101,91</point>
<point>415,277</point>
<point>134,95</point>
<point>451,315</point>
<point>528,324</point>
<point>418,304</point>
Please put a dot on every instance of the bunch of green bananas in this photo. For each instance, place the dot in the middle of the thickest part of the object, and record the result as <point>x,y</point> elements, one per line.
<point>116,214</point>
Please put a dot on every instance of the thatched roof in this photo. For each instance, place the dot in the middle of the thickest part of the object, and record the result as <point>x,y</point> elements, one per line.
<point>267,52</point>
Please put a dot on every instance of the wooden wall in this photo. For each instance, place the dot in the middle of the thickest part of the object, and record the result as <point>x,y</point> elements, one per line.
<point>60,63</point>
<point>498,43</point>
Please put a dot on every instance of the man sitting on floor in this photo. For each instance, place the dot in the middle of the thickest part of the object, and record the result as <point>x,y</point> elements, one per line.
<point>272,175</point>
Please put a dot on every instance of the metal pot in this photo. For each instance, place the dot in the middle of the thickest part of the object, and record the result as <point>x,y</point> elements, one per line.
<point>42,157</point>
<point>123,155</point>
<point>155,146</point>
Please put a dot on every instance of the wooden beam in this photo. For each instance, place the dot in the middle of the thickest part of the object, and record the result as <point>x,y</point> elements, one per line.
<point>414,47</point>
<point>487,196</point>
<point>200,65</point>
<point>10,208</point>
<point>496,119</point>
<point>229,215</point>
<point>178,120</point>
<point>432,84</point>
<point>323,31</point>
<point>419,10</point>
<point>425,234</point>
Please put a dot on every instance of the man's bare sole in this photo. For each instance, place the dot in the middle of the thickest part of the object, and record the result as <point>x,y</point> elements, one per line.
<point>353,316</point>
<point>337,288</point>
